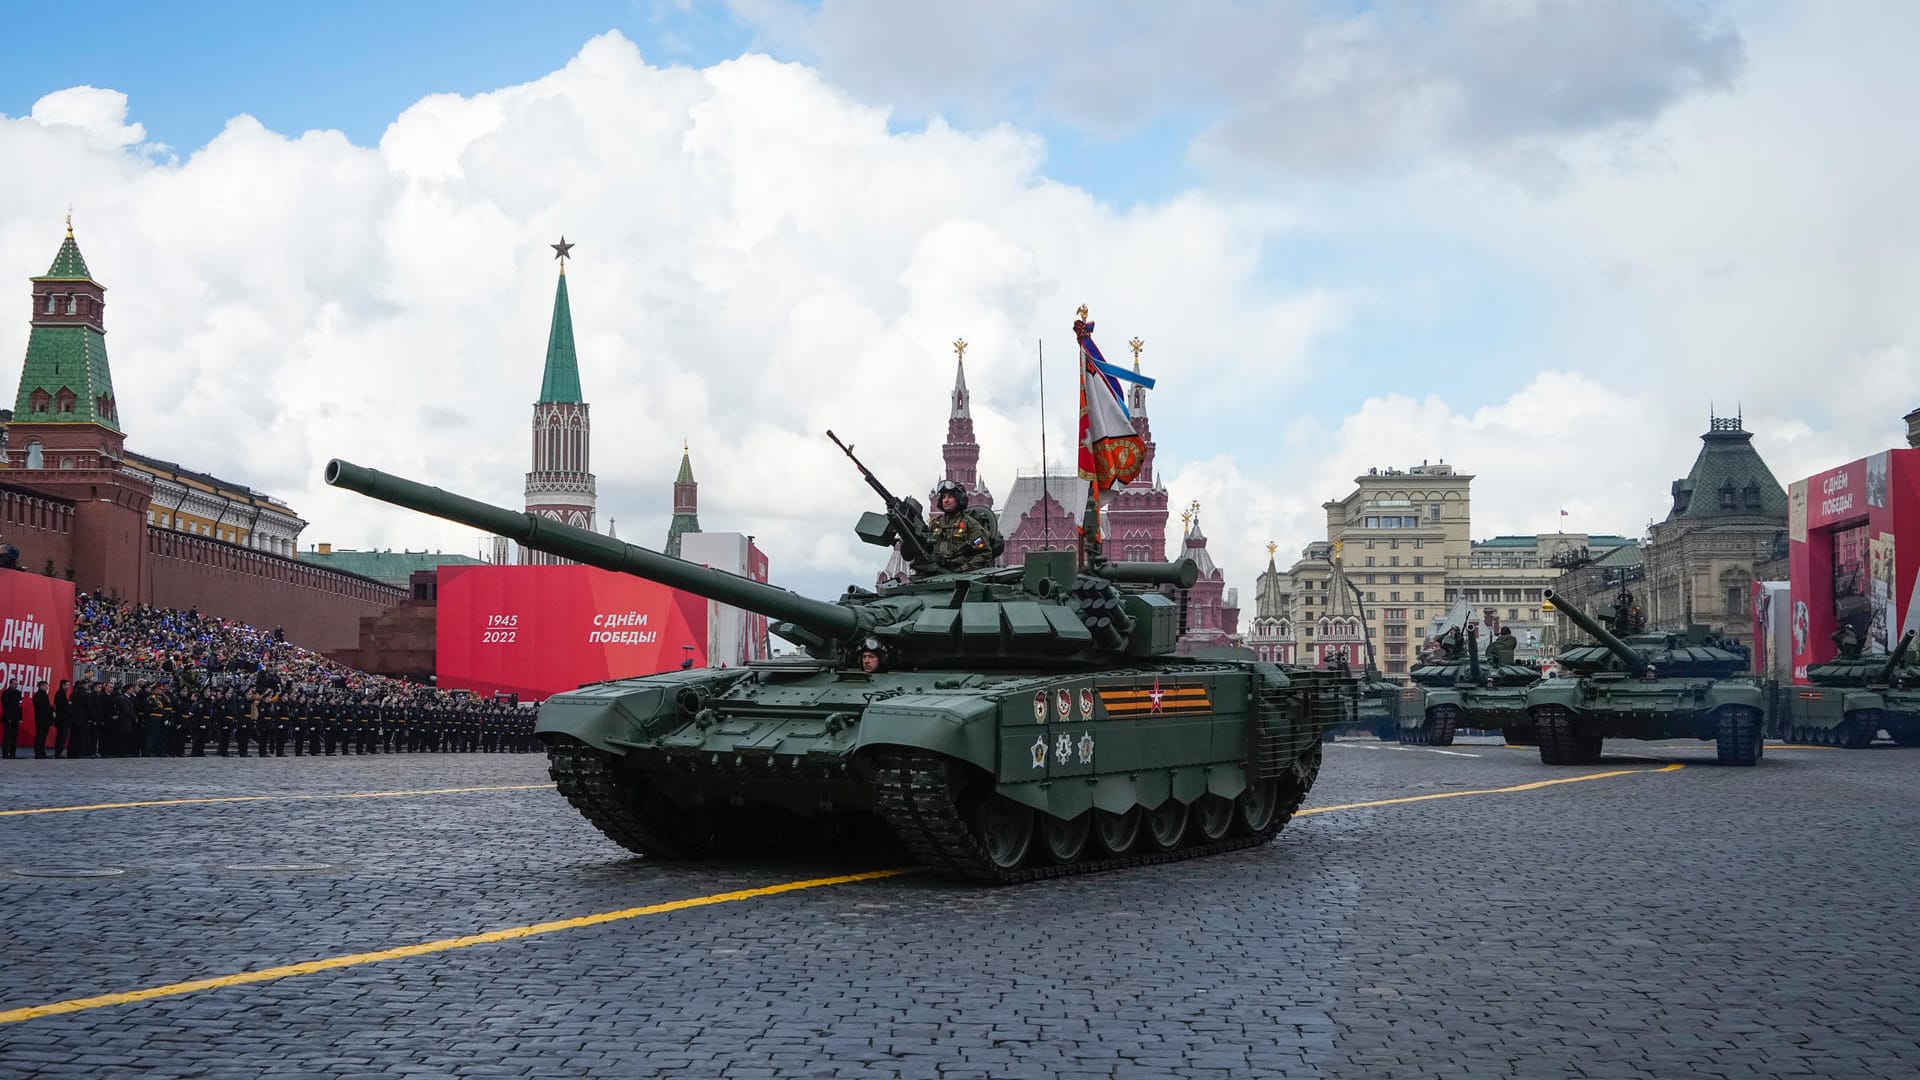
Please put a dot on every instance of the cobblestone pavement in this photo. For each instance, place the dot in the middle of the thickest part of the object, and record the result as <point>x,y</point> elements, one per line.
<point>1707,921</point>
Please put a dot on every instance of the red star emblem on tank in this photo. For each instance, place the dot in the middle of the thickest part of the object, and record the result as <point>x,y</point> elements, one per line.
<point>1156,695</point>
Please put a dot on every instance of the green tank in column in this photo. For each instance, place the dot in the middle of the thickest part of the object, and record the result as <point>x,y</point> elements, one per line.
<point>1636,685</point>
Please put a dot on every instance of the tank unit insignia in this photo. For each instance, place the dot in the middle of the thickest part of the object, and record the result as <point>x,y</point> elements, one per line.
<point>1086,749</point>
<point>1063,748</point>
<point>1039,749</point>
<point>1162,700</point>
<point>1040,707</point>
<point>1086,703</point>
<point>1063,704</point>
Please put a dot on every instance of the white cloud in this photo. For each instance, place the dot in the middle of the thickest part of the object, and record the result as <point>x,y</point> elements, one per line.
<point>762,256</point>
<point>1297,87</point>
<point>99,115</point>
<point>759,259</point>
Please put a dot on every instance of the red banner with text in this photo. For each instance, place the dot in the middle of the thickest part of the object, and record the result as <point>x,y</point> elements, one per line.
<point>538,630</point>
<point>36,639</point>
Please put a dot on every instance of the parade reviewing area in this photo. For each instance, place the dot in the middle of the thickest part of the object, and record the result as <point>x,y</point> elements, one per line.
<point>1434,914</point>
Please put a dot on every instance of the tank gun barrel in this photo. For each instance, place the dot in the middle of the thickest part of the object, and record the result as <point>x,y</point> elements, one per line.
<point>1893,659</point>
<point>1181,572</point>
<point>1473,654</point>
<point>832,621</point>
<point>1581,619</point>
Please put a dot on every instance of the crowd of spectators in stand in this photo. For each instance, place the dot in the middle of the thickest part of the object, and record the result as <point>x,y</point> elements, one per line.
<point>158,681</point>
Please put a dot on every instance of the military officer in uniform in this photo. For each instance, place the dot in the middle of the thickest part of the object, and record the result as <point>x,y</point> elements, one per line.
<point>964,537</point>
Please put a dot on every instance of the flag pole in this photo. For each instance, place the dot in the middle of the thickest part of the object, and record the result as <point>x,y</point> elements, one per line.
<point>1046,524</point>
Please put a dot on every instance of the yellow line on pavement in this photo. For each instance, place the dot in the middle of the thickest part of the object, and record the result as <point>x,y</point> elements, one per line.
<point>268,798</point>
<point>517,932</point>
<point>101,1001</point>
<point>1535,786</point>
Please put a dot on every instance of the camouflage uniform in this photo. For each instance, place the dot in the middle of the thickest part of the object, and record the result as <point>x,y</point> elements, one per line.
<point>966,539</point>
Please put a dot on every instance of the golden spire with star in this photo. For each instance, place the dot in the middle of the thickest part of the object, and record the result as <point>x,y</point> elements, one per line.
<point>562,251</point>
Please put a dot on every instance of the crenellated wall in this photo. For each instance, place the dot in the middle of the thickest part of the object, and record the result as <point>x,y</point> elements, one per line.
<point>319,609</point>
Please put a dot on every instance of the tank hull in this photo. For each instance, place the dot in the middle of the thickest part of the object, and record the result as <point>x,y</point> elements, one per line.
<point>1432,715</point>
<point>1572,717</point>
<point>1847,717</point>
<point>991,777</point>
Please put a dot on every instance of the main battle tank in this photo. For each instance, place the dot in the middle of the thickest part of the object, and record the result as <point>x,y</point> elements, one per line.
<point>1646,686</point>
<point>1029,721</point>
<point>1460,692</point>
<point>1852,698</point>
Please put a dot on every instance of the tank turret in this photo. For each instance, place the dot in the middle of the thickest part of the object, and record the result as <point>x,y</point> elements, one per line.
<point>1885,677</point>
<point>1047,609</point>
<point>1627,655</point>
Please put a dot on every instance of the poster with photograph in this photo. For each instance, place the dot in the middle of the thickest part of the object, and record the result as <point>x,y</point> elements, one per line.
<point>1877,479</point>
<point>1797,511</point>
<point>1880,630</point>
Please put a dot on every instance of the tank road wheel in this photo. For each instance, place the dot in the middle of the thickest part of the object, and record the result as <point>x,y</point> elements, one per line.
<point>1116,833</point>
<point>1254,810</point>
<point>1166,825</point>
<point>1213,817</point>
<point>1738,737</point>
<point>1440,723</point>
<point>1004,828</point>
<point>1065,841</point>
<point>1561,743</point>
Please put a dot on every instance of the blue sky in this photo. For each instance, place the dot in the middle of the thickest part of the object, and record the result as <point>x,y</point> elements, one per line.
<point>354,66</point>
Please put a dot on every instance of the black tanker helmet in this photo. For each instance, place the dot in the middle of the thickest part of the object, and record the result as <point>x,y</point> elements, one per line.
<point>954,488</point>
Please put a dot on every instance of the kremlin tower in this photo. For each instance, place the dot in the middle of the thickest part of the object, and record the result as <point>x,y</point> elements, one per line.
<point>686,504</point>
<point>560,485</point>
<point>960,454</point>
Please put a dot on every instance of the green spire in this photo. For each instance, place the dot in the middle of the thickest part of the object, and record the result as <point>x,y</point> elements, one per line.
<point>66,377</point>
<point>562,379</point>
<point>67,263</point>
<point>686,504</point>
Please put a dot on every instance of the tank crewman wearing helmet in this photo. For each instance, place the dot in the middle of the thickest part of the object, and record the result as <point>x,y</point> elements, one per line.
<point>870,657</point>
<point>964,538</point>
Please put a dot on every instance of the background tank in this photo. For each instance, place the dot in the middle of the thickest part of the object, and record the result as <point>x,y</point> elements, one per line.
<point>1463,691</point>
<point>1849,702</point>
<point>1028,721</point>
<point>1646,686</point>
<point>1371,705</point>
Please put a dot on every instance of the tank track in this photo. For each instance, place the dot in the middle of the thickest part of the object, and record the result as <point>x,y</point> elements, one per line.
<point>915,794</point>
<point>1738,738</point>
<point>1441,722</point>
<point>585,776</point>
<point>1559,743</point>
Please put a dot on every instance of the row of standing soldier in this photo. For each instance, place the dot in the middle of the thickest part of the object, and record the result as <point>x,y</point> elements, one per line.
<point>157,720</point>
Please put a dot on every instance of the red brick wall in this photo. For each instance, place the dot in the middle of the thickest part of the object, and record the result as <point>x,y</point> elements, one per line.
<point>320,609</point>
<point>41,527</point>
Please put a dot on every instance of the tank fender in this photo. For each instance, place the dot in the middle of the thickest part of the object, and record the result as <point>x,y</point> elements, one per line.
<point>959,726</point>
<point>604,715</point>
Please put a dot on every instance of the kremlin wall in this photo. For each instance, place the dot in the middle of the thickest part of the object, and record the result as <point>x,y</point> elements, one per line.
<point>1397,563</point>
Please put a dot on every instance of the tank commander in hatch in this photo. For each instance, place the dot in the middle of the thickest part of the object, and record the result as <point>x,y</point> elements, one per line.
<point>871,657</point>
<point>964,538</point>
